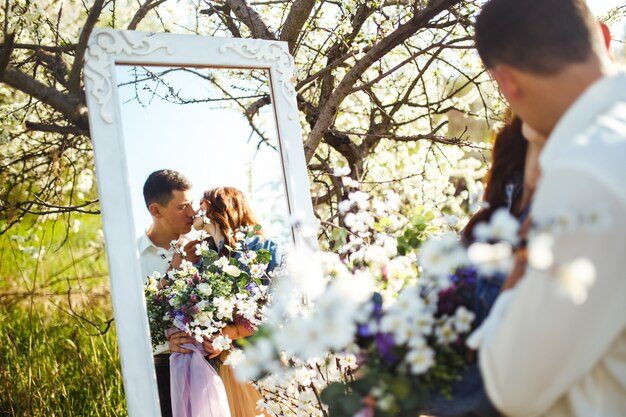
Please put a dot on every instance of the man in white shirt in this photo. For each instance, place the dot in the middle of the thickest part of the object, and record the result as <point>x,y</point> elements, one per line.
<point>167,194</point>
<point>555,345</point>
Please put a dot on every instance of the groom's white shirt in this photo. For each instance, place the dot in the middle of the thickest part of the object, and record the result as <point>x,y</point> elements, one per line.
<point>152,257</point>
<point>543,352</point>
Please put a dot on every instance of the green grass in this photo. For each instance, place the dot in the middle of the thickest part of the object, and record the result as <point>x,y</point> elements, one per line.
<point>58,349</point>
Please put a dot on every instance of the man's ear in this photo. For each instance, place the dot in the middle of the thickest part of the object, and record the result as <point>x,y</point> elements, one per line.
<point>606,34</point>
<point>507,80</point>
<point>155,210</point>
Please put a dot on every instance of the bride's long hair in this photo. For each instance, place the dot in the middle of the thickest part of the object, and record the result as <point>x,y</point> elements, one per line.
<point>228,208</point>
<point>508,159</point>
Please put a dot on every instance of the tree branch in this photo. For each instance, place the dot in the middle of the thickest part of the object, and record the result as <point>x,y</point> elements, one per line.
<point>142,12</point>
<point>251,19</point>
<point>7,50</point>
<point>81,48</point>
<point>297,17</point>
<point>67,104</point>
<point>330,107</point>
<point>52,128</point>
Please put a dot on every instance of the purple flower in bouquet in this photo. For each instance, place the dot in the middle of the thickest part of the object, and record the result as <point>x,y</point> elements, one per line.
<point>364,330</point>
<point>385,344</point>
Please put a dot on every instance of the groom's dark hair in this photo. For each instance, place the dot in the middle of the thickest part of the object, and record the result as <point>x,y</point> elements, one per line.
<point>538,36</point>
<point>160,185</point>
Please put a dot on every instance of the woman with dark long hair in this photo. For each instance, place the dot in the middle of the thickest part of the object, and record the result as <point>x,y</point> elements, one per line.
<point>510,184</point>
<point>228,211</point>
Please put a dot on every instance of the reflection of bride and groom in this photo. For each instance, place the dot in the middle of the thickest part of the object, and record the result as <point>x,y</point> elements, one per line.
<point>167,195</point>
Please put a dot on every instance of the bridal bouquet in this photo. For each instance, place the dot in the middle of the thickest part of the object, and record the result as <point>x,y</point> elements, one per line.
<point>202,299</point>
<point>406,342</point>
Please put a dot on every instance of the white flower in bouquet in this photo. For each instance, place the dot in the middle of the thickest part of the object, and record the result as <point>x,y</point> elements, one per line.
<point>417,340</point>
<point>502,227</point>
<point>256,270</point>
<point>240,235</point>
<point>424,323</point>
<point>463,319</point>
<point>348,361</point>
<point>247,257</point>
<point>438,257</point>
<point>232,270</point>
<point>202,249</point>
<point>204,289</point>
<point>187,267</point>
<point>222,262</point>
<point>203,316</point>
<point>445,333</point>
<point>420,359</point>
<point>394,323</point>
<point>409,303</point>
<point>199,333</point>
<point>152,283</point>
<point>430,299</point>
<point>246,308</point>
<point>221,343</point>
<point>491,259</point>
<point>224,308</point>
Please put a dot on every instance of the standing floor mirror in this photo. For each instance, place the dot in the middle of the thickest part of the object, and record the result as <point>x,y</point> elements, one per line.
<point>221,111</point>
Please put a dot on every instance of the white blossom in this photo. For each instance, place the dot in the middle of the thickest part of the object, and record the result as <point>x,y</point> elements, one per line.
<point>502,226</point>
<point>575,279</point>
<point>420,359</point>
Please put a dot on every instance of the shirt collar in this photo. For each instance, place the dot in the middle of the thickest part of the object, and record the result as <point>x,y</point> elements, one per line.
<point>597,99</point>
<point>144,243</point>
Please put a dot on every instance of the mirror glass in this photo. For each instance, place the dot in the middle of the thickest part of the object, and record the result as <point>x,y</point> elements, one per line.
<point>214,125</point>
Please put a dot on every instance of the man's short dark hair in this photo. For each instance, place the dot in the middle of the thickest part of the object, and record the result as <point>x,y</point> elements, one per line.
<point>538,36</point>
<point>160,185</point>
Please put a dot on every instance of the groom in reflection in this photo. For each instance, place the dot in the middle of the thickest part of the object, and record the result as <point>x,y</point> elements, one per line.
<point>167,194</point>
<point>555,344</point>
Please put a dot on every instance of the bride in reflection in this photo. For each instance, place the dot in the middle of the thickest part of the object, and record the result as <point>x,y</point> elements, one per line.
<point>228,210</point>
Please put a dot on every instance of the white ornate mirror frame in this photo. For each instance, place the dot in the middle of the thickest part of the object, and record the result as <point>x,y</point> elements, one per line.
<point>110,47</point>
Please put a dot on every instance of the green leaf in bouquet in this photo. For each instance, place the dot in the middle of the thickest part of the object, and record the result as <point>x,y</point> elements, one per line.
<point>364,385</point>
<point>341,400</point>
<point>399,386</point>
<point>257,227</point>
<point>263,256</point>
<point>333,393</point>
<point>351,404</point>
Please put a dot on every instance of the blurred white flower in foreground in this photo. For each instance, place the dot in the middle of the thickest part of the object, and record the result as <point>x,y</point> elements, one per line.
<point>491,259</point>
<point>502,226</point>
<point>540,254</point>
<point>575,279</point>
<point>440,256</point>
